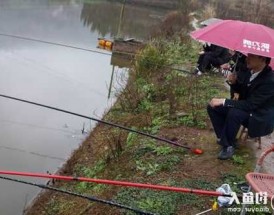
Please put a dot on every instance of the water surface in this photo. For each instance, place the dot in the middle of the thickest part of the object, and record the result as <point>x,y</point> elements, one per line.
<point>34,138</point>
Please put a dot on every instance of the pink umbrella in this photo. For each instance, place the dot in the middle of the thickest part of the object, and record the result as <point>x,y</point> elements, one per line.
<point>244,37</point>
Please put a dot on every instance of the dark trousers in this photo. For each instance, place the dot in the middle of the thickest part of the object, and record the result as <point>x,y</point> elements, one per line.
<point>206,60</point>
<point>226,123</point>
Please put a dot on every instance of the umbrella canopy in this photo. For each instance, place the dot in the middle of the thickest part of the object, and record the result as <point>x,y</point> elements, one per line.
<point>241,36</point>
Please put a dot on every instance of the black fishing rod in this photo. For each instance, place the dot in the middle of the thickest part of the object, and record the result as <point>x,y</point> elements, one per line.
<point>90,198</point>
<point>194,150</point>
<point>89,50</point>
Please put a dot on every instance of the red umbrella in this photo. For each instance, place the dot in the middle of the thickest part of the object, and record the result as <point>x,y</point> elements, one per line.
<point>244,37</point>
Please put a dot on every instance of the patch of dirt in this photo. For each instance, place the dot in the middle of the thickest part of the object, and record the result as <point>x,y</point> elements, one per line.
<point>267,142</point>
<point>205,166</point>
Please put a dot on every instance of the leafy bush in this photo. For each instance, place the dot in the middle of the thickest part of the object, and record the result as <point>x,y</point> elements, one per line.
<point>149,60</point>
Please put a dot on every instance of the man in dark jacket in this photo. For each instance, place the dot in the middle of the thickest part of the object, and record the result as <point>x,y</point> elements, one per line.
<point>213,56</point>
<point>237,66</point>
<point>255,109</point>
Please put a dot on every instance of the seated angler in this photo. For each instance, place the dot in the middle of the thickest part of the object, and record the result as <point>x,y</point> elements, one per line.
<point>255,109</point>
<point>214,56</point>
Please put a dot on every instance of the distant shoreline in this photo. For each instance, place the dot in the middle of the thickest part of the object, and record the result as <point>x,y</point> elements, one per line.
<point>164,4</point>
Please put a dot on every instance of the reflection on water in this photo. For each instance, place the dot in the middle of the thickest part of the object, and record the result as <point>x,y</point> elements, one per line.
<point>105,18</point>
<point>121,61</point>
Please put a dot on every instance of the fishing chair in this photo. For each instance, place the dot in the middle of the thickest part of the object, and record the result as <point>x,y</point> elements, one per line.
<point>214,69</point>
<point>261,182</point>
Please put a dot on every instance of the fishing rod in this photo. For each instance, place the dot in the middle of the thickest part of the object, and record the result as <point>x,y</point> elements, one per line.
<point>90,198</point>
<point>116,183</point>
<point>89,50</point>
<point>193,150</point>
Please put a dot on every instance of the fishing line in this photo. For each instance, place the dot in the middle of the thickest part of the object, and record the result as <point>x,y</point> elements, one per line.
<point>71,133</point>
<point>54,43</point>
<point>54,73</point>
<point>37,126</point>
<point>195,151</point>
<point>33,153</point>
<point>89,50</point>
<point>90,198</point>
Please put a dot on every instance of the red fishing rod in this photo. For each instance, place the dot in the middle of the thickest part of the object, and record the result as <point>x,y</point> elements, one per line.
<point>116,183</point>
<point>194,150</point>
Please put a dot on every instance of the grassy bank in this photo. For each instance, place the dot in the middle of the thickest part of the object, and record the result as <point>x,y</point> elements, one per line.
<point>161,101</point>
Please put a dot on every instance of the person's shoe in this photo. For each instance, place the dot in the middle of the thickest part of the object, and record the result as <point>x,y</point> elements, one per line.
<point>197,71</point>
<point>226,153</point>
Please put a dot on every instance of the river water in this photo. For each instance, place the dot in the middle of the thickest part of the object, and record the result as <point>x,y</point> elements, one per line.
<point>36,139</point>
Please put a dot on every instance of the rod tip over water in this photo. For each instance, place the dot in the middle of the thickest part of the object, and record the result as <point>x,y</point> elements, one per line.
<point>197,151</point>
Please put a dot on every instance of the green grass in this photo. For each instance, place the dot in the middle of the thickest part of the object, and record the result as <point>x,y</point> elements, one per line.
<point>161,202</point>
<point>55,206</point>
<point>164,203</point>
<point>90,172</point>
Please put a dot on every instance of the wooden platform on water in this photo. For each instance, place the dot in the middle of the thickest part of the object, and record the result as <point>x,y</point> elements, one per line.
<point>127,47</point>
